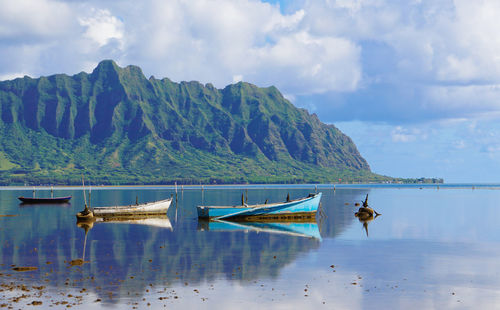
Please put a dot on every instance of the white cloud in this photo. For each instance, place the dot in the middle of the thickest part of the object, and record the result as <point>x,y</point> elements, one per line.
<point>46,37</point>
<point>11,76</point>
<point>399,134</point>
<point>442,56</point>
<point>26,20</point>
<point>210,41</point>
<point>101,27</point>
<point>308,64</point>
<point>237,78</point>
<point>214,41</point>
<point>445,52</point>
<point>471,100</point>
<point>459,144</point>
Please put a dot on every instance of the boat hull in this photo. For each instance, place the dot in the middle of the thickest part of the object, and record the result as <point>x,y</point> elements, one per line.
<point>28,200</point>
<point>293,210</point>
<point>151,208</point>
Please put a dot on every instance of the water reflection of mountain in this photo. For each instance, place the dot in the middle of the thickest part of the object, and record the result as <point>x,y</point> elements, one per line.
<point>126,259</point>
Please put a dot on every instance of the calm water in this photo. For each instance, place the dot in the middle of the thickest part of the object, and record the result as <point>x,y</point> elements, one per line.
<point>430,248</point>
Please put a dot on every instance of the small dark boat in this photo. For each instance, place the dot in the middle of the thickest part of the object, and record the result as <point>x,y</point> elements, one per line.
<point>33,200</point>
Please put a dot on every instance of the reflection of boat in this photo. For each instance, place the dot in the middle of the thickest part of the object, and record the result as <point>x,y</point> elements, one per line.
<point>161,220</point>
<point>289,210</point>
<point>300,229</point>
<point>29,200</point>
<point>150,208</point>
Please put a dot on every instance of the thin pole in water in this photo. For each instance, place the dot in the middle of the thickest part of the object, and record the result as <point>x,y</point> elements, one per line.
<point>176,210</point>
<point>90,191</point>
<point>202,196</point>
<point>176,198</point>
<point>84,195</point>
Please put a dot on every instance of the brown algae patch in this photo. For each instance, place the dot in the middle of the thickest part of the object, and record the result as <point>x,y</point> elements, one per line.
<point>21,269</point>
<point>78,262</point>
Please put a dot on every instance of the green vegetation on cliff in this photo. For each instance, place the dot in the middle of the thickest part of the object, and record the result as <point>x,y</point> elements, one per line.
<point>118,127</point>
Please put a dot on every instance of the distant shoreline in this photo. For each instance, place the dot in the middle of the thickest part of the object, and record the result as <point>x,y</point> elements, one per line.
<point>181,187</point>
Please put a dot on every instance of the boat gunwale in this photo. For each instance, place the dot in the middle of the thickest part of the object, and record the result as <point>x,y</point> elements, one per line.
<point>133,207</point>
<point>263,204</point>
<point>45,198</point>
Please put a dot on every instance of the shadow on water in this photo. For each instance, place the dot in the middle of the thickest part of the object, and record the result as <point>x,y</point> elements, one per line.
<point>125,257</point>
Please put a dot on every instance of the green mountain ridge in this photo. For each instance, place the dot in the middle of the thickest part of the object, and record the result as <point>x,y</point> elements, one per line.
<point>118,127</point>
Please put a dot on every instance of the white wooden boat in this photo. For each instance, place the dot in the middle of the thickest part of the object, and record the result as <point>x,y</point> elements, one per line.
<point>155,207</point>
<point>149,208</point>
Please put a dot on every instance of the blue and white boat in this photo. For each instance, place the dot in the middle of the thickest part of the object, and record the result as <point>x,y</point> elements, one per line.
<point>288,210</point>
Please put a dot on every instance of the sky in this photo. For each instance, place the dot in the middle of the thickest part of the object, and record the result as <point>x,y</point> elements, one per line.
<point>414,83</point>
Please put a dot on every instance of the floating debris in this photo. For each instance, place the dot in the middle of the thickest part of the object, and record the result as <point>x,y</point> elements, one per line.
<point>78,262</point>
<point>24,268</point>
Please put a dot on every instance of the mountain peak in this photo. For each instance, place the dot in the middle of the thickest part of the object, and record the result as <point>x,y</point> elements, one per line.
<point>118,123</point>
<point>134,70</point>
<point>107,65</point>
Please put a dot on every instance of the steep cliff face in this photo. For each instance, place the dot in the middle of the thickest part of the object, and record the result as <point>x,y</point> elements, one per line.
<point>125,125</point>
